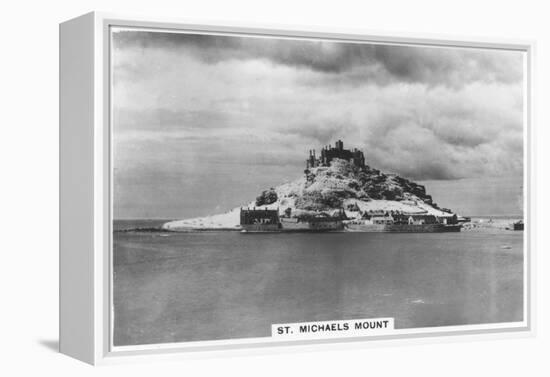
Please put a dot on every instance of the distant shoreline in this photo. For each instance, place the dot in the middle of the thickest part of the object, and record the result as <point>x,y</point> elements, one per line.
<point>513,216</point>
<point>478,224</point>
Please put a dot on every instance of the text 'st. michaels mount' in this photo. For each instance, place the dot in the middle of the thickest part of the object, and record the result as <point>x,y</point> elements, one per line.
<point>338,192</point>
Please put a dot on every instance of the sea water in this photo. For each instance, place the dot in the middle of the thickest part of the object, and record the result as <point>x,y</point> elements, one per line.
<point>177,287</point>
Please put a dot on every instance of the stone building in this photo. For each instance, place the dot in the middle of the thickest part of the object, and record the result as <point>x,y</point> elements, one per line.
<point>328,153</point>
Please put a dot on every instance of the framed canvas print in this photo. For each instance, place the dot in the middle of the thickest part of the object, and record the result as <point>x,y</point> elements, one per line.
<point>233,189</point>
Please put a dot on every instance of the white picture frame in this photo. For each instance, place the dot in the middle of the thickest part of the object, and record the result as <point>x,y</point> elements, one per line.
<point>86,187</point>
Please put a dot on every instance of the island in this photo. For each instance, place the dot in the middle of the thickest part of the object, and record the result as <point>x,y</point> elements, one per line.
<point>337,192</point>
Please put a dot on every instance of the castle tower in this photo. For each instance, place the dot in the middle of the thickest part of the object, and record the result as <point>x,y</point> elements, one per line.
<point>328,153</point>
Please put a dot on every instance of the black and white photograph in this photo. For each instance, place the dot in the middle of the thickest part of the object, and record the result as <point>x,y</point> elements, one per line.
<point>262,180</point>
<point>287,188</point>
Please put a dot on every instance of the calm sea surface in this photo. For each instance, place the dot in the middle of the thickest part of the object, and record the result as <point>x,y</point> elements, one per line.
<point>173,287</point>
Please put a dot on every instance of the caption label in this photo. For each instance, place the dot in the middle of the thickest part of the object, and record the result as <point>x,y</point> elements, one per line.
<point>327,329</point>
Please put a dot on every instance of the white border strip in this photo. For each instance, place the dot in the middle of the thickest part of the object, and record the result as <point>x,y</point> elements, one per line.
<point>442,330</point>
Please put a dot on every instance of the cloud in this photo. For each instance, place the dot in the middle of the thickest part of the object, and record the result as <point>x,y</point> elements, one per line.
<point>343,61</point>
<point>243,112</point>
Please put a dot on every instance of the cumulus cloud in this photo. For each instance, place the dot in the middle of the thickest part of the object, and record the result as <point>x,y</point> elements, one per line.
<point>386,63</point>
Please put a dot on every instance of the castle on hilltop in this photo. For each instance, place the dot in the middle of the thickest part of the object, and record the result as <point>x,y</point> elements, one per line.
<point>328,153</point>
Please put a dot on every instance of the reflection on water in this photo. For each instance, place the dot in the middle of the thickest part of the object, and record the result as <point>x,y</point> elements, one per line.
<point>174,287</point>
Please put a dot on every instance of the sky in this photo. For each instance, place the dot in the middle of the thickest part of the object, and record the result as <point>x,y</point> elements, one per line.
<point>204,123</point>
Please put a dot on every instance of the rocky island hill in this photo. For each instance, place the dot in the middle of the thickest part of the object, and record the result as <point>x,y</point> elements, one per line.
<point>337,181</point>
